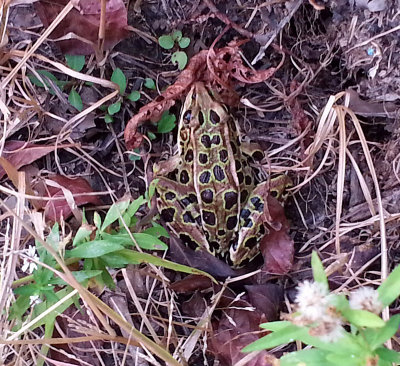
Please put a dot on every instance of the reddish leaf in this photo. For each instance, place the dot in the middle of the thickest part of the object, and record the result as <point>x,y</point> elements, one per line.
<point>238,327</point>
<point>277,247</point>
<point>57,208</point>
<point>20,153</point>
<point>217,68</point>
<point>191,283</point>
<point>83,21</point>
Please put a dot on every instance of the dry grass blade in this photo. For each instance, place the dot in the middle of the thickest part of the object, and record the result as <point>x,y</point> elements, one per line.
<point>96,305</point>
<point>41,39</point>
<point>335,112</point>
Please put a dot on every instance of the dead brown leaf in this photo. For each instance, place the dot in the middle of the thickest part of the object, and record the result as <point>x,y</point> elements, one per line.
<point>20,153</point>
<point>217,68</point>
<point>277,247</point>
<point>57,208</point>
<point>84,22</point>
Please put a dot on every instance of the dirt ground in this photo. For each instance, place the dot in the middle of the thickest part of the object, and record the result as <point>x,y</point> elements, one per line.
<point>344,203</point>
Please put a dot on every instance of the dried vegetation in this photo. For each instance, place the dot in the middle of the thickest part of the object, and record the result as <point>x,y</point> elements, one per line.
<point>328,117</point>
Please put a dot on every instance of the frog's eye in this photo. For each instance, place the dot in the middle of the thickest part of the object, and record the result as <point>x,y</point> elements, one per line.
<point>187,117</point>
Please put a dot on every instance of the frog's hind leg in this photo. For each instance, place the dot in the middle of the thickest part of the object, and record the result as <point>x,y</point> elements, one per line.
<point>255,222</point>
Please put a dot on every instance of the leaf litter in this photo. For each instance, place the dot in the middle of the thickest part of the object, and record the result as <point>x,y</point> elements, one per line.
<point>299,115</point>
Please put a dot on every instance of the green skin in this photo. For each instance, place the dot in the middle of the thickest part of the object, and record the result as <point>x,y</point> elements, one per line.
<point>207,193</point>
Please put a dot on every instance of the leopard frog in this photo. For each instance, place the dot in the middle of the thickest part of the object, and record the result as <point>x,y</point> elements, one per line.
<point>206,192</point>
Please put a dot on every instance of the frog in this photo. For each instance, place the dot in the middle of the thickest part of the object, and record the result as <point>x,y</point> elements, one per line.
<point>208,193</point>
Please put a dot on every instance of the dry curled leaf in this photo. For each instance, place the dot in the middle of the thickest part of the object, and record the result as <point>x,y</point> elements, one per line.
<point>20,153</point>
<point>217,68</point>
<point>277,247</point>
<point>80,27</point>
<point>67,193</point>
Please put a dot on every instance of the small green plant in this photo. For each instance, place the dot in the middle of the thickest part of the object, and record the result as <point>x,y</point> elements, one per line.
<point>119,78</point>
<point>47,80</point>
<point>176,40</point>
<point>343,330</point>
<point>100,248</point>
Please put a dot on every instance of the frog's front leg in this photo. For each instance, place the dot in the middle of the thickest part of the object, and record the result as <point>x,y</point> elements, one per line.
<point>179,209</point>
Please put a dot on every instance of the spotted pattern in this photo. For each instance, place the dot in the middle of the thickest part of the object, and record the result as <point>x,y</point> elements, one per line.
<point>206,141</point>
<point>203,158</point>
<point>207,196</point>
<point>214,117</point>
<point>216,140</point>
<point>223,156</point>
<point>168,214</point>
<point>209,217</point>
<point>219,173</point>
<point>211,214</point>
<point>188,240</point>
<point>204,177</point>
<point>188,218</point>
<point>189,156</point>
<point>251,242</point>
<point>231,222</point>
<point>170,196</point>
<point>184,177</point>
<point>201,118</point>
<point>231,199</point>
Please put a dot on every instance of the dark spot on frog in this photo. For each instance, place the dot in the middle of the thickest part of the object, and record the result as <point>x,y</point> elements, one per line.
<point>184,177</point>
<point>274,193</point>
<point>238,165</point>
<point>221,232</point>
<point>207,196</point>
<point>186,201</point>
<point>261,231</point>
<point>209,217</point>
<point>223,156</point>
<point>214,118</point>
<point>187,117</point>
<point>206,141</point>
<point>168,214</point>
<point>243,196</point>
<point>205,177</point>
<point>245,213</point>
<point>234,148</point>
<point>258,155</point>
<point>214,247</point>
<point>248,223</point>
<point>189,156</point>
<point>219,173</point>
<point>251,242</point>
<point>203,158</point>
<point>231,199</point>
<point>169,196</point>
<point>240,176</point>
<point>192,198</point>
<point>216,140</point>
<point>248,180</point>
<point>258,203</point>
<point>187,240</point>
<point>188,218</point>
<point>231,222</point>
<point>201,118</point>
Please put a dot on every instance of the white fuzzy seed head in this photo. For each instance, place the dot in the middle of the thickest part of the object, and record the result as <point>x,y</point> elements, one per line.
<point>365,298</point>
<point>312,300</point>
